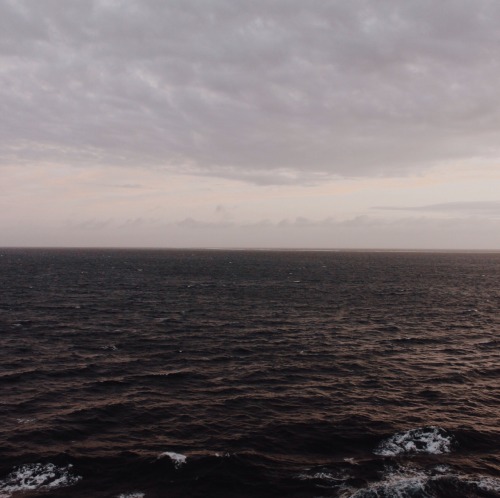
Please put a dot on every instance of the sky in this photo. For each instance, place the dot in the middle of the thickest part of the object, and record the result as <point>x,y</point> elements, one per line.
<point>266,123</point>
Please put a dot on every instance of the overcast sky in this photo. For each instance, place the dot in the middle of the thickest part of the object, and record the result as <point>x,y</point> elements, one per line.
<point>250,123</point>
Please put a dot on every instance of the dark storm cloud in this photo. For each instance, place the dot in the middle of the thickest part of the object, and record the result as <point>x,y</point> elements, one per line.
<point>279,91</point>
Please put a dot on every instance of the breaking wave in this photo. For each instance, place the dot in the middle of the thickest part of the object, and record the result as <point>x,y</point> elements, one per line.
<point>37,477</point>
<point>177,458</point>
<point>411,482</point>
<point>429,440</point>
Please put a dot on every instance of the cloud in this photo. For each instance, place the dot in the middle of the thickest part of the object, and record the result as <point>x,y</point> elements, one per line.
<point>266,92</point>
<point>92,225</point>
<point>364,232</point>
<point>196,224</point>
<point>464,207</point>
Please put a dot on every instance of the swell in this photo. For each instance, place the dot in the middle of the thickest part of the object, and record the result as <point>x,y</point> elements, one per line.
<point>428,470</point>
<point>296,365</point>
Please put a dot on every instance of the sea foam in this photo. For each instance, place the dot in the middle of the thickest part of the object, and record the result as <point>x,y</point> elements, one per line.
<point>408,482</point>
<point>37,476</point>
<point>429,440</point>
<point>177,458</point>
<point>403,483</point>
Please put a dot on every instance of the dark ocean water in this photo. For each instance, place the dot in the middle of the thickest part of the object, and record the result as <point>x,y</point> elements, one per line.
<point>249,374</point>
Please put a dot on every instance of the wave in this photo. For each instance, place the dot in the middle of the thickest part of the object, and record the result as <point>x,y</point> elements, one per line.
<point>108,368</point>
<point>402,482</point>
<point>132,475</point>
<point>409,482</point>
<point>178,459</point>
<point>428,440</point>
<point>37,477</point>
<point>396,484</point>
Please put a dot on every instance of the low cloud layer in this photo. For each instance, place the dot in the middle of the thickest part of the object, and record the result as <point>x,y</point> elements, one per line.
<point>265,92</point>
<point>362,232</point>
<point>483,208</point>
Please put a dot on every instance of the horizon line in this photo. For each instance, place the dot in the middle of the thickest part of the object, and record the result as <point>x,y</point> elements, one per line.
<point>257,249</point>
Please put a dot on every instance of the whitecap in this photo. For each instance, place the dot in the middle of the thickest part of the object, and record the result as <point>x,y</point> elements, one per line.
<point>37,476</point>
<point>442,469</point>
<point>488,484</point>
<point>407,482</point>
<point>134,494</point>
<point>323,476</point>
<point>177,458</point>
<point>429,440</point>
<point>326,478</point>
<point>109,347</point>
<point>403,483</point>
<point>25,420</point>
<point>222,455</point>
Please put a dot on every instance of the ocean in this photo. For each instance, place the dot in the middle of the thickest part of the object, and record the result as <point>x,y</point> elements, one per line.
<point>183,373</point>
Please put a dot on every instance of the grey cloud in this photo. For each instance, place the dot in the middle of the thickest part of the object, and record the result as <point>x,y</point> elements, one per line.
<point>225,211</point>
<point>356,223</point>
<point>411,232</point>
<point>130,185</point>
<point>472,207</point>
<point>91,225</point>
<point>267,92</point>
<point>196,224</point>
<point>132,223</point>
<point>329,222</point>
<point>117,185</point>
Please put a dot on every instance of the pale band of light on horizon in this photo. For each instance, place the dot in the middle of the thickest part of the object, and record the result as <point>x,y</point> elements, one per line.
<point>222,123</point>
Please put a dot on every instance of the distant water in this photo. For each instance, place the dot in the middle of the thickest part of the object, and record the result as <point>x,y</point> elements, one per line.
<point>249,374</point>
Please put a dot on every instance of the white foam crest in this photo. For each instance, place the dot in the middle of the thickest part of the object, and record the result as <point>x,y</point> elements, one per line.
<point>25,420</point>
<point>429,440</point>
<point>407,482</point>
<point>222,455</point>
<point>37,476</point>
<point>442,469</point>
<point>397,484</point>
<point>326,478</point>
<point>323,476</point>
<point>134,494</point>
<point>177,458</point>
<point>489,484</point>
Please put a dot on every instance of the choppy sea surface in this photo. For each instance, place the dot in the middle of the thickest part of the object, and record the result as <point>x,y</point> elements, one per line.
<point>127,373</point>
